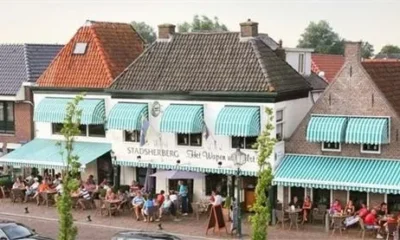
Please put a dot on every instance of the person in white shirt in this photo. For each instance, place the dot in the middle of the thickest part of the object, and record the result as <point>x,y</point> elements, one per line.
<point>59,187</point>
<point>217,199</point>
<point>32,189</point>
<point>173,196</point>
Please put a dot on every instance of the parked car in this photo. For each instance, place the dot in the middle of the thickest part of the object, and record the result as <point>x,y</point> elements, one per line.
<point>12,231</point>
<point>139,235</point>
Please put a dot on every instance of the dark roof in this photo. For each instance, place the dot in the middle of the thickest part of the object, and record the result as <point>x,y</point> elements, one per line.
<point>111,47</point>
<point>386,75</point>
<point>23,63</point>
<point>210,62</point>
<point>316,82</point>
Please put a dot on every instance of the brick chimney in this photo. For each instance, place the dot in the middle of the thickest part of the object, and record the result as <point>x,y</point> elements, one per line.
<point>352,51</point>
<point>165,31</point>
<point>280,51</point>
<point>248,29</point>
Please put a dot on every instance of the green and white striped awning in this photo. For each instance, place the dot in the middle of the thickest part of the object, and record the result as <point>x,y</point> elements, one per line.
<point>367,131</point>
<point>54,110</point>
<point>127,116</point>
<point>46,153</point>
<point>339,173</point>
<point>238,121</point>
<point>227,171</point>
<point>326,129</point>
<point>180,118</point>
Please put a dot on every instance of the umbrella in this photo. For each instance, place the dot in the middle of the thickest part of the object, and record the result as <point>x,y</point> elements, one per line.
<point>173,174</point>
<point>148,182</point>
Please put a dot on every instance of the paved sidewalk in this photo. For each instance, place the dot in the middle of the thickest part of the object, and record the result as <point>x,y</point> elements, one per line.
<point>45,220</point>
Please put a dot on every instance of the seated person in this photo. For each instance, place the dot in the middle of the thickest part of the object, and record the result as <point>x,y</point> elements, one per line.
<point>167,207</point>
<point>57,179</point>
<point>306,208</point>
<point>32,190</point>
<point>18,184</point>
<point>361,213</point>
<point>110,195</point>
<point>104,184</point>
<point>217,198</point>
<point>349,209</point>
<point>122,197</point>
<point>90,185</point>
<point>137,203</point>
<point>148,208</point>
<point>295,202</point>
<point>372,223</point>
<point>134,186</point>
<point>383,210</point>
<point>336,207</point>
<point>44,187</point>
<point>85,197</point>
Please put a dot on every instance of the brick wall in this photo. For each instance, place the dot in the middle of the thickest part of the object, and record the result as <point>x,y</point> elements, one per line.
<point>352,93</point>
<point>375,199</point>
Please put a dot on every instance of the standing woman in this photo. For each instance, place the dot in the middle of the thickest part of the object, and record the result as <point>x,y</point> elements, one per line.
<point>307,204</point>
<point>350,209</point>
<point>183,193</point>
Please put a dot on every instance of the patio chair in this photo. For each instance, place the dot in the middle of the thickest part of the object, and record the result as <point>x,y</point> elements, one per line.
<point>110,208</point>
<point>100,207</point>
<point>294,220</point>
<point>196,210</point>
<point>17,194</point>
<point>280,216</point>
<point>337,225</point>
<point>391,230</point>
<point>318,214</point>
<point>363,229</point>
<point>47,198</point>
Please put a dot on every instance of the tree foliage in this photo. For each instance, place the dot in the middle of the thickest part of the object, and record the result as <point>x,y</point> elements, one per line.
<point>265,145</point>
<point>202,23</point>
<point>323,39</point>
<point>389,49</point>
<point>146,31</point>
<point>67,230</point>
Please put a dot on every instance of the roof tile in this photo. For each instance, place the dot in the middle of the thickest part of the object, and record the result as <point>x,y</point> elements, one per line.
<point>330,64</point>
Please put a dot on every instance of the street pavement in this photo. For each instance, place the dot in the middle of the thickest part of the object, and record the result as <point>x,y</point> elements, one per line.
<point>44,221</point>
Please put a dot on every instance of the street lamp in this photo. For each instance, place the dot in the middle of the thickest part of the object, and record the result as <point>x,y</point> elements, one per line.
<point>239,158</point>
<point>115,169</point>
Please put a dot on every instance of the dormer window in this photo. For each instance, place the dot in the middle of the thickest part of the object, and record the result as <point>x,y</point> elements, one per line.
<point>301,63</point>
<point>80,48</point>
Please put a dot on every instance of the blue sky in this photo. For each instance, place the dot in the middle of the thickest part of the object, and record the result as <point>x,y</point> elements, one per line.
<point>56,21</point>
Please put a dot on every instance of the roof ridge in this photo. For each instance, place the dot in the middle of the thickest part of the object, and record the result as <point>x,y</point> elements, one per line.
<point>206,33</point>
<point>102,53</point>
<point>106,22</point>
<point>259,60</point>
<point>27,68</point>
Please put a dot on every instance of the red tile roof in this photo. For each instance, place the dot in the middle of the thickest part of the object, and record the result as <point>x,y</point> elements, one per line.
<point>111,47</point>
<point>386,75</point>
<point>330,64</point>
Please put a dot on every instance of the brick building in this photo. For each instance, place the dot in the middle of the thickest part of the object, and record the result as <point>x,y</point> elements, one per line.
<point>20,67</point>
<point>347,147</point>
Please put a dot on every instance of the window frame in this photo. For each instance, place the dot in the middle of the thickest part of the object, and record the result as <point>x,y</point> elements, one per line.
<point>124,133</point>
<point>95,135</point>
<point>301,65</point>
<point>280,122</point>
<point>5,121</point>
<point>189,140</point>
<point>369,151</point>
<point>331,150</point>
<point>244,143</point>
<point>82,134</point>
<point>80,48</point>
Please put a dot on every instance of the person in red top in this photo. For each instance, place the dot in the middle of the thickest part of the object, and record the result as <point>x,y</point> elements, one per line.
<point>372,223</point>
<point>307,204</point>
<point>363,211</point>
<point>160,198</point>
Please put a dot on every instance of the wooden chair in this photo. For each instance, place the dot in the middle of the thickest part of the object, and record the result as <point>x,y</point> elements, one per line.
<point>110,208</point>
<point>363,229</point>
<point>318,214</point>
<point>47,198</point>
<point>196,210</point>
<point>391,230</point>
<point>17,194</point>
<point>337,225</point>
<point>280,216</point>
<point>294,220</point>
<point>100,207</point>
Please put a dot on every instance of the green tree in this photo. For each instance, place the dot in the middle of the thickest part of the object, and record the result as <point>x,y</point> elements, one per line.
<point>146,31</point>
<point>202,23</point>
<point>67,230</point>
<point>265,145</point>
<point>388,49</point>
<point>321,37</point>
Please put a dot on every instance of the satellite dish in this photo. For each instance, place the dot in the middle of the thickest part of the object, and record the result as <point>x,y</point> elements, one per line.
<point>321,74</point>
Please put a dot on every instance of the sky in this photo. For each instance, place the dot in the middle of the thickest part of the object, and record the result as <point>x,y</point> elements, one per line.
<point>56,21</point>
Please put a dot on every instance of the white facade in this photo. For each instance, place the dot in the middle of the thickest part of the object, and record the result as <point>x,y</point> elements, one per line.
<point>299,59</point>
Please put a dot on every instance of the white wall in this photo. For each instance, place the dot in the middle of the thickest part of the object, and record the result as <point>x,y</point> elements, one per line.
<point>292,57</point>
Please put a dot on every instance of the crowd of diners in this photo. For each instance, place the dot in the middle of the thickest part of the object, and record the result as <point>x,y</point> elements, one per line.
<point>371,217</point>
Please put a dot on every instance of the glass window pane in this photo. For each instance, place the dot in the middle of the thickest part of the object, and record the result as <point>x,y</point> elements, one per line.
<point>279,131</point>
<point>132,136</point>
<point>57,128</point>
<point>97,130</point>
<point>393,203</point>
<point>330,145</point>
<point>10,111</point>
<point>1,111</point>
<point>195,139</point>
<point>217,182</point>
<point>279,115</point>
<point>321,197</point>
<point>250,142</point>
<point>82,128</point>
<point>358,198</point>
<point>238,142</point>
<point>297,192</point>
<point>183,139</point>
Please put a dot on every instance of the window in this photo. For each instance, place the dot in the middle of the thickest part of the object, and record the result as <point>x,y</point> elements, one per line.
<point>330,146</point>
<point>393,202</point>
<point>370,148</point>
<point>80,48</point>
<point>193,139</point>
<point>243,142</point>
<point>132,136</point>
<point>297,192</point>
<point>301,63</point>
<point>279,125</point>
<point>56,128</point>
<point>358,198</point>
<point>7,117</point>
<point>321,197</point>
<point>217,182</point>
<point>97,130</point>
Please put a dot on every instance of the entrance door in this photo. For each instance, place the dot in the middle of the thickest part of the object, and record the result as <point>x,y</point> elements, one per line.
<point>173,185</point>
<point>105,169</point>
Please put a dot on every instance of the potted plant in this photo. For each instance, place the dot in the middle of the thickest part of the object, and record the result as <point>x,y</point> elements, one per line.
<point>226,208</point>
